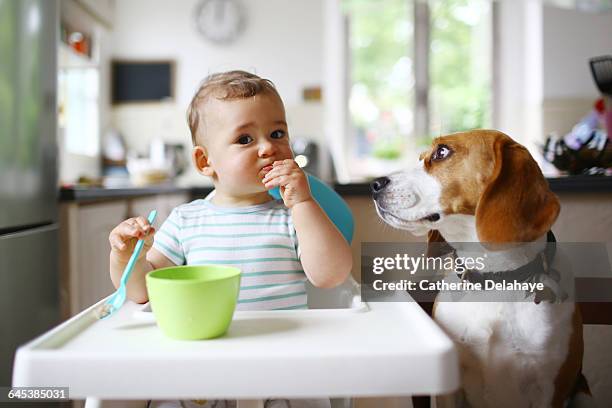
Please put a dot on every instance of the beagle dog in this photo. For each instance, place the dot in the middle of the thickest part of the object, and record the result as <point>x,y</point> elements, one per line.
<point>482,187</point>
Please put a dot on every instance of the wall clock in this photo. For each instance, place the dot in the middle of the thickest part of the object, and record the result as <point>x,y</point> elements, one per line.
<point>220,21</point>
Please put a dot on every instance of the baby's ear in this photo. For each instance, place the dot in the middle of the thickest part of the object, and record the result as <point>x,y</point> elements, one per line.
<point>199,155</point>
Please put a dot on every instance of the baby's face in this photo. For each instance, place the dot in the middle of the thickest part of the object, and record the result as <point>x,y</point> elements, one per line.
<point>243,137</point>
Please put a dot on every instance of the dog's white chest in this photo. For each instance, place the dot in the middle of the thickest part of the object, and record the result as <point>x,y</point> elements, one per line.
<point>510,352</point>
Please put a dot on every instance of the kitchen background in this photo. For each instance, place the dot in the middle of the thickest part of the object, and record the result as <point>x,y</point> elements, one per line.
<point>518,66</point>
<point>366,84</point>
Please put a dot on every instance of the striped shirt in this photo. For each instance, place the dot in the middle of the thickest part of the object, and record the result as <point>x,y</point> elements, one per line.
<point>258,239</point>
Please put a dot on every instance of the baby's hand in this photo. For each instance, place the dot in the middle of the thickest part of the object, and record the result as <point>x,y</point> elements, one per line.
<point>290,179</point>
<point>124,236</point>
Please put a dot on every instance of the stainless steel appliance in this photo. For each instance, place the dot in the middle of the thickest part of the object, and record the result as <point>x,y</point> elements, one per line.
<point>29,270</point>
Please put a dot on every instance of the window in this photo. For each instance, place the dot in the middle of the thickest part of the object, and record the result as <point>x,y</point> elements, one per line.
<point>79,110</point>
<point>460,65</point>
<point>415,70</point>
<point>381,99</point>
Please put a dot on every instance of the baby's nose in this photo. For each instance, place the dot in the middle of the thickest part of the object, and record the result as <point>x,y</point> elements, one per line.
<point>266,148</point>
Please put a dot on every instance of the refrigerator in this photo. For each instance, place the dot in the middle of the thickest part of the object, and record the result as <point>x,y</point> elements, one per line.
<point>29,266</point>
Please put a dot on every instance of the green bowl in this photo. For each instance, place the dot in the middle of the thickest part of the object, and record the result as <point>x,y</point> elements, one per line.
<point>193,302</point>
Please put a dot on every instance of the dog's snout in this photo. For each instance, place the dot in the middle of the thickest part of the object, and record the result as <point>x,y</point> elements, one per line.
<point>379,184</point>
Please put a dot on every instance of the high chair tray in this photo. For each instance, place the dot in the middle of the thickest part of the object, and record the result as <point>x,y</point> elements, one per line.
<point>372,350</point>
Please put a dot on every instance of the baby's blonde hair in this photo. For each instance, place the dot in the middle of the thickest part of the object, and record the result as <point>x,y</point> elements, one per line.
<point>225,86</point>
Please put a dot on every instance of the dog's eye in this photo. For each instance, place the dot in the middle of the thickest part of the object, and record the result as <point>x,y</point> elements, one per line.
<point>441,153</point>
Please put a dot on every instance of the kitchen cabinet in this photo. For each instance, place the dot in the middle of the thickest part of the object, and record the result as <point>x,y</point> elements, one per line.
<point>87,253</point>
<point>162,203</point>
<point>84,230</point>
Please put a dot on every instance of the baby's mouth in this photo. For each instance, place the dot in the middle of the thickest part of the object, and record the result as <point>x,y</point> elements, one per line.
<point>265,170</point>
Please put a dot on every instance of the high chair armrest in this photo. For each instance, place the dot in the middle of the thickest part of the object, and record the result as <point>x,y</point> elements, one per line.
<point>347,295</point>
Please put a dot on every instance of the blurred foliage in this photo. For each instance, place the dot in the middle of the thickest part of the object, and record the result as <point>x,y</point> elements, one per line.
<point>381,36</point>
<point>382,43</point>
<point>388,149</point>
<point>460,69</point>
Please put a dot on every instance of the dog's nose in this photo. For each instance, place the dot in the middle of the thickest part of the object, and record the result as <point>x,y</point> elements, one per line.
<point>379,184</point>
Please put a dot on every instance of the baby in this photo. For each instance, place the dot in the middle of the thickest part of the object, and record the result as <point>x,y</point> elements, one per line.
<point>241,141</point>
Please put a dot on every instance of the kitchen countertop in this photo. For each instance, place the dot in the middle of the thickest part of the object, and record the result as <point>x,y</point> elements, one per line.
<point>101,193</point>
<point>575,184</point>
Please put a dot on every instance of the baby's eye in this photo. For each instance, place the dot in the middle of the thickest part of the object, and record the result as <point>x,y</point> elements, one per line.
<point>244,139</point>
<point>277,134</point>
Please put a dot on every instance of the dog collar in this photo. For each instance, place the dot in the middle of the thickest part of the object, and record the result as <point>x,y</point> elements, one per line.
<point>533,271</point>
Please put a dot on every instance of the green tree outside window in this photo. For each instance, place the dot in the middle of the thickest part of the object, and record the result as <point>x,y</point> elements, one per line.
<point>381,43</point>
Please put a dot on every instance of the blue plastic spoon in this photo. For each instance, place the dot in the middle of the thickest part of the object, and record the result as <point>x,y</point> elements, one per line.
<point>118,298</point>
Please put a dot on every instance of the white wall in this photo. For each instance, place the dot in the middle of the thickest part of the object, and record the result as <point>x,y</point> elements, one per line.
<point>519,78</point>
<point>544,81</point>
<point>570,38</point>
<point>282,42</point>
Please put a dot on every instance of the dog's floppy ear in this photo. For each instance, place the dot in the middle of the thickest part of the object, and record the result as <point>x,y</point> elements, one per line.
<point>517,204</point>
<point>437,247</point>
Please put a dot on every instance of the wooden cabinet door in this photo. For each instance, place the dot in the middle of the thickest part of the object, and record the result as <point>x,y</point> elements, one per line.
<point>164,204</point>
<point>170,202</point>
<point>142,207</point>
<point>91,279</point>
<point>85,264</point>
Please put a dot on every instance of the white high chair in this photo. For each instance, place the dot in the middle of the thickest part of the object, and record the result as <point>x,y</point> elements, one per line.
<point>377,349</point>
<point>346,295</point>
<point>335,351</point>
